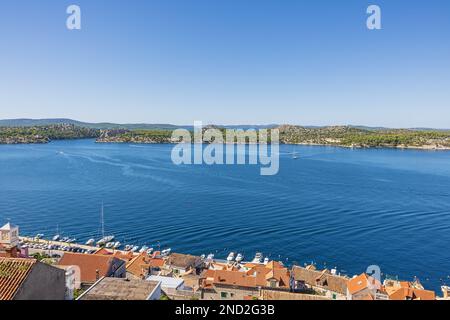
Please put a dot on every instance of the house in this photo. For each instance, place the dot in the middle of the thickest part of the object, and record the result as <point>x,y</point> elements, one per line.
<point>232,284</point>
<point>122,289</point>
<point>175,288</point>
<point>143,265</point>
<point>180,264</point>
<point>271,275</point>
<point>404,290</point>
<point>9,241</point>
<point>365,287</point>
<point>92,267</point>
<point>325,282</point>
<point>168,283</point>
<point>29,279</point>
<point>227,285</point>
<point>73,281</point>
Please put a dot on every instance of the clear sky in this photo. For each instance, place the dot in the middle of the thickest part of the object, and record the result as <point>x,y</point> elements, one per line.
<point>228,62</point>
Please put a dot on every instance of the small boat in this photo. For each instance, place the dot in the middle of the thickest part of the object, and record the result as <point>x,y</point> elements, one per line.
<point>230,257</point>
<point>294,155</point>
<point>239,258</point>
<point>150,251</point>
<point>90,242</point>
<point>73,240</point>
<point>266,260</point>
<point>135,248</point>
<point>117,245</point>
<point>103,241</point>
<point>210,256</point>
<point>39,236</point>
<point>258,257</point>
<point>65,239</point>
<point>128,247</point>
<point>56,237</point>
<point>166,252</point>
<point>109,245</point>
<point>143,249</point>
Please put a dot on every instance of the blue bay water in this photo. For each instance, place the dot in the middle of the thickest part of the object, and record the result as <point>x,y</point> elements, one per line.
<point>333,206</point>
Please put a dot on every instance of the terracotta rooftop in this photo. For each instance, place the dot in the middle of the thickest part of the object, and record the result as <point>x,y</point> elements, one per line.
<point>126,256</point>
<point>13,272</point>
<point>89,264</point>
<point>323,279</point>
<point>184,261</point>
<point>412,294</point>
<point>141,263</point>
<point>120,289</point>
<point>358,283</point>
<point>257,276</point>
<point>404,290</point>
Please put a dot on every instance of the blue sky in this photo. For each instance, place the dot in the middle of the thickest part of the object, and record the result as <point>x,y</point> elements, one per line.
<point>228,62</point>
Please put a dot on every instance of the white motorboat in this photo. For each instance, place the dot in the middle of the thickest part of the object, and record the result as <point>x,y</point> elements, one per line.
<point>266,260</point>
<point>210,256</point>
<point>150,251</point>
<point>166,252</point>
<point>230,257</point>
<point>56,237</point>
<point>143,249</point>
<point>117,245</point>
<point>135,248</point>
<point>109,245</point>
<point>239,258</point>
<point>90,242</point>
<point>103,241</point>
<point>128,247</point>
<point>258,258</point>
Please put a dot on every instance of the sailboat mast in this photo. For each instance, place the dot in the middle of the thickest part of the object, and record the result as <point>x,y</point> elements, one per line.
<point>103,223</point>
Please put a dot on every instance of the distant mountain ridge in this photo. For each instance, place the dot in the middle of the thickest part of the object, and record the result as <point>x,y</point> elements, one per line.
<point>108,125</point>
<point>103,125</point>
<point>24,122</point>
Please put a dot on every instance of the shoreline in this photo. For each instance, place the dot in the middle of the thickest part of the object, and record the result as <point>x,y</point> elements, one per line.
<point>402,147</point>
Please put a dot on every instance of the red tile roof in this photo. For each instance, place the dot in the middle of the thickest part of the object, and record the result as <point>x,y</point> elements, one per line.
<point>13,272</point>
<point>412,294</point>
<point>258,276</point>
<point>89,264</point>
<point>358,283</point>
<point>139,265</point>
<point>404,290</point>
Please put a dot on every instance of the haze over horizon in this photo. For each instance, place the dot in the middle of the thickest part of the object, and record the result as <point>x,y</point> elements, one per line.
<point>228,62</point>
